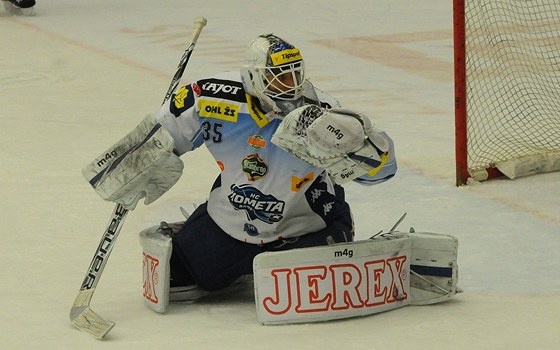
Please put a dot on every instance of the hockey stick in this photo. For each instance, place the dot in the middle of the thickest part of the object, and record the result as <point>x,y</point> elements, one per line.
<point>199,23</point>
<point>81,315</point>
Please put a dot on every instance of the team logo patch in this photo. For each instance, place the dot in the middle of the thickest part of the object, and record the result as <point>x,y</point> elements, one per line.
<point>298,184</point>
<point>254,166</point>
<point>256,141</point>
<point>257,205</point>
<point>180,96</point>
<point>182,100</point>
<point>219,110</point>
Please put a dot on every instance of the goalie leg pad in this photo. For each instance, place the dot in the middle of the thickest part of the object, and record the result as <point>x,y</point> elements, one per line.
<point>434,271</point>
<point>332,282</point>
<point>360,278</point>
<point>156,245</point>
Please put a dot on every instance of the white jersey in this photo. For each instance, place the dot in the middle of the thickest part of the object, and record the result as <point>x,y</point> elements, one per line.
<point>263,193</point>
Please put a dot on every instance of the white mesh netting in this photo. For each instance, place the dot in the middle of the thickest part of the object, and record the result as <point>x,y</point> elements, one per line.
<point>513,80</point>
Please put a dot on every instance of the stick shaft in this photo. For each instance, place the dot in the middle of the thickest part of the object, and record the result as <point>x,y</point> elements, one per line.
<point>81,315</point>
<point>199,23</point>
<point>104,248</point>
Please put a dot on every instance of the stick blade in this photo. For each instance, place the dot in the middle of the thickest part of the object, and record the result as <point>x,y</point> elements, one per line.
<point>89,321</point>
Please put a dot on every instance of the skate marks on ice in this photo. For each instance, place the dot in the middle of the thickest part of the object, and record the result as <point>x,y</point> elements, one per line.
<point>409,52</point>
<point>213,49</point>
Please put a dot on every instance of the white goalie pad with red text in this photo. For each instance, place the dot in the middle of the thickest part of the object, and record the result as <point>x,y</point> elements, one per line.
<point>344,280</point>
<point>156,252</point>
<point>332,282</point>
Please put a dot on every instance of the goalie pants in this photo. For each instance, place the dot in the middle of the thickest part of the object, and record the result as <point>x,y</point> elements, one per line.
<point>205,255</point>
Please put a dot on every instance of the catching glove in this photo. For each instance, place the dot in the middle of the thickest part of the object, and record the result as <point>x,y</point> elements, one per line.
<point>342,141</point>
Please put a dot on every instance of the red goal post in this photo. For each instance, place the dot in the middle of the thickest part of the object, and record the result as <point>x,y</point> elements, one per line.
<point>507,88</point>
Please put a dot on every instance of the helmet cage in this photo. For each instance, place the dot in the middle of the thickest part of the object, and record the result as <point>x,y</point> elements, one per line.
<point>283,82</point>
<point>274,69</point>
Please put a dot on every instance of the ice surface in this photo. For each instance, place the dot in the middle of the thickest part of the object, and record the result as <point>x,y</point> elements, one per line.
<point>80,75</point>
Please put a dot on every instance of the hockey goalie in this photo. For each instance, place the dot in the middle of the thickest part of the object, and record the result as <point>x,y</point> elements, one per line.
<point>276,217</point>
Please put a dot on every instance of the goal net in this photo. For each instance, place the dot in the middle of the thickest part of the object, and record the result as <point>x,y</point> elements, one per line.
<point>507,87</point>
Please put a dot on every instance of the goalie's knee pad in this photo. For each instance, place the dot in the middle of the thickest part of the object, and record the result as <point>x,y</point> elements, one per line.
<point>156,246</point>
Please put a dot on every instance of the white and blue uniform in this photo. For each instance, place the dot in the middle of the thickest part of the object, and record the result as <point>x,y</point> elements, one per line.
<point>263,193</point>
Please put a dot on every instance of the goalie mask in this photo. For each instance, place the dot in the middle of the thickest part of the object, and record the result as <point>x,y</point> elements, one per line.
<point>274,70</point>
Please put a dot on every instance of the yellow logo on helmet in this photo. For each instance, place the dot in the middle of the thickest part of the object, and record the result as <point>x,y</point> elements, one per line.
<point>286,56</point>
